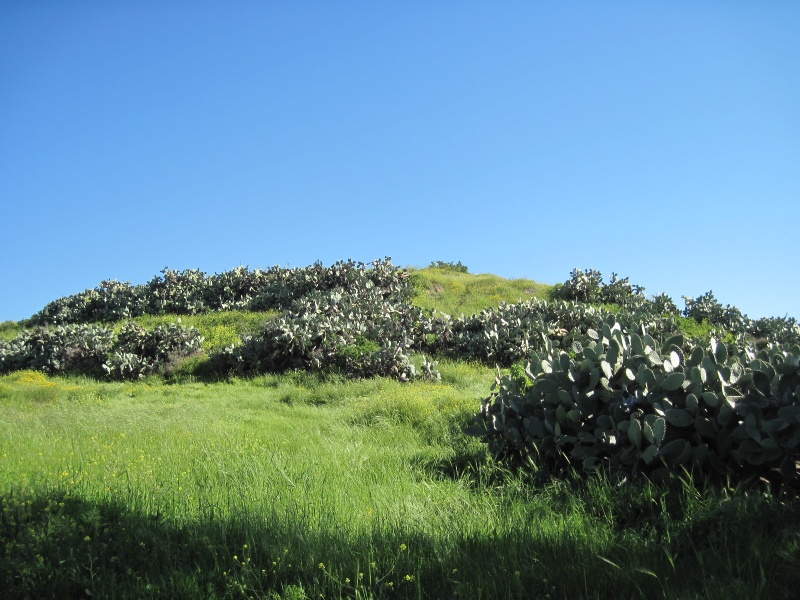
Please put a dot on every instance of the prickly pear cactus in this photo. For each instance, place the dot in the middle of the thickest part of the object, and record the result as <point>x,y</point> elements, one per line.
<point>628,403</point>
<point>95,350</point>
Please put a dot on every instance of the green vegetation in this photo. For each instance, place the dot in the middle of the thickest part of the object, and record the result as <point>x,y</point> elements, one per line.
<point>95,349</point>
<point>9,330</point>
<point>322,474</point>
<point>218,329</point>
<point>453,292</point>
<point>305,487</point>
<point>458,267</point>
<point>626,404</point>
<point>702,330</point>
<point>192,292</point>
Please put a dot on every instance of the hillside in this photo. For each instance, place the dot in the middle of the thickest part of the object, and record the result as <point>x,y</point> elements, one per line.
<point>319,446</point>
<point>456,293</point>
<point>440,289</point>
<point>445,288</point>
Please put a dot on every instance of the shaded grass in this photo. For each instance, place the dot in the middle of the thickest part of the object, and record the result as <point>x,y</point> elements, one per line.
<point>522,543</point>
<point>308,486</point>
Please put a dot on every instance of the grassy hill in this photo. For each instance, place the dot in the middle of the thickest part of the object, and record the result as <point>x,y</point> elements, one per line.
<point>436,288</point>
<point>303,485</point>
<point>440,289</point>
<point>456,293</point>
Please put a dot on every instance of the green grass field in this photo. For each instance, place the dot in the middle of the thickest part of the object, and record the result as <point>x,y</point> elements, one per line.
<point>300,486</point>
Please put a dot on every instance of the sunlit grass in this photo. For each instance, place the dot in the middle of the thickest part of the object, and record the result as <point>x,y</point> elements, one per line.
<point>307,486</point>
<point>9,330</point>
<point>463,293</point>
<point>220,329</point>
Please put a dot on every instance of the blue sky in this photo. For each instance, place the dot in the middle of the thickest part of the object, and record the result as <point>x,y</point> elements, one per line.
<point>660,140</point>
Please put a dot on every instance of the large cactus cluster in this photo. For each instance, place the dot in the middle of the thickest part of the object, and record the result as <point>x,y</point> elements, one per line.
<point>353,317</point>
<point>95,349</point>
<point>588,287</point>
<point>626,402</point>
<point>509,333</point>
<point>357,330</point>
<point>193,292</point>
<point>598,377</point>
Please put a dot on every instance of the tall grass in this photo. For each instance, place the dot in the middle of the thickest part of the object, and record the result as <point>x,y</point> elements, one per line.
<point>307,487</point>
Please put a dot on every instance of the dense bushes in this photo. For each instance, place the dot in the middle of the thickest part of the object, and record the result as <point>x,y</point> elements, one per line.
<point>326,309</point>
<point>587,286</point>
<point>609,380</point>
<point>192,292</point>
<point>627,393</point>
<point>511,332</point>
<point>357,330</point>
<point>138,352</point>
<point>357,318</point>
<point>351,317</point>
<point>77,348</point>
<point>629,403</point>
<point>775,330</point>
<point>95,349</point>
<point>110,301</point>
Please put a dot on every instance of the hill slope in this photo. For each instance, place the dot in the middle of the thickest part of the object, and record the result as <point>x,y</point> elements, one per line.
<point>456,293</point>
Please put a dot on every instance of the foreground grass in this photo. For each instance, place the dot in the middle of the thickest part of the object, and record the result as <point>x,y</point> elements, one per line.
<point>300,487</point>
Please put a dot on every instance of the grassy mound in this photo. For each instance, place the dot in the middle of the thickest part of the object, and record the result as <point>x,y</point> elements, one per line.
<point>456,293</point>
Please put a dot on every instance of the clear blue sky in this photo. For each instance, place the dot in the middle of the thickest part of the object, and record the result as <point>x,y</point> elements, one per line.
<point>660,140</point>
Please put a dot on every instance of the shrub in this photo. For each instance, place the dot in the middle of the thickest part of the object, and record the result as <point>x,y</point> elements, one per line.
<point>190,292</point>
<point>622,292</point>
<point>663,304</point>
<point>458,267</point>
<point>58,349</point>
<point>587,286</point>
<point>110,301</point>
<point>582,286</point>
<point>775,330</point>
<point>629,404</point>
<point>357,329</point>
<point>707,307</point>
<point>177,292</point>
<point>94,349</point>
<point>138,352</point>
<point>234,289</point>
<point>508,334</point>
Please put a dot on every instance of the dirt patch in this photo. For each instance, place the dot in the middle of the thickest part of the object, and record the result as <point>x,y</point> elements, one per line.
<point>437,289</point>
